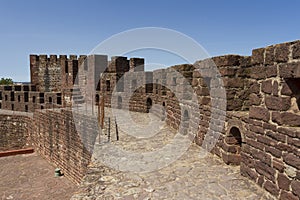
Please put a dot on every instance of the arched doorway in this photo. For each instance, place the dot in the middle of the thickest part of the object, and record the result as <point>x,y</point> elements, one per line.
<point>119,102</point>
<point>149,104</point>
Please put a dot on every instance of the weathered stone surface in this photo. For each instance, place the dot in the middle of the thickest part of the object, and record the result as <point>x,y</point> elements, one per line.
<point>259,113</point>
<point>282,52</point>
<point>269,55</point>
<point>278,165</point>
<point>278,103</point>
<point>290,70</point>
<point>188,173</point>
<point>283,182</point>
<point>271,71</point>
<point>286,89</point>
<point>257,56</point>
<point>14,130</point>
<point>292,160</point>
<point>290,119</point>
<point>254,100</point>
<point>227,60</point>
<point>288,196</point>
<point>296,187</point>
<point>267,86</point>
<point>272,188</point>
<point>296,50</point>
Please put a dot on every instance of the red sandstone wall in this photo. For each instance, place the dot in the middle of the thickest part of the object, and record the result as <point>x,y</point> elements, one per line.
<point>263,97</point>
<point>14,130</point>
<point>55,137</point>
<point>271,155</point>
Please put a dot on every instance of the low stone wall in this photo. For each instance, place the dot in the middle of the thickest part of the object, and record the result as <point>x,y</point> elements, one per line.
<point>68,146</point>
<point>14,130</point>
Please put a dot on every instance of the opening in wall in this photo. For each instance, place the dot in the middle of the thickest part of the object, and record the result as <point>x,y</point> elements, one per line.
<point>18,88</point>
<point>66,68</point>
<point>107,85</point>
<point>26,96</point>
<point>26,108</point>
<point>234,137</point>
<point>33,99</point>
<point>97,98</point>
<point>42,98</point>
<point>294,86</point>
<point>58,100</point>
<point>12,96</point>
<point>26,88</point>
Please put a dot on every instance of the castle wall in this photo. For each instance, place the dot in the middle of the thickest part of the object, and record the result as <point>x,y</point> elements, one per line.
<point>52,74</point>
<point>270,155</point>
<point>14,130</point>
<point>261,132</point>
<point>56,138</point>
<point>25,98</point>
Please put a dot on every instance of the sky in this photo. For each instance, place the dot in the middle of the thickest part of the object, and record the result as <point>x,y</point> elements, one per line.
<point>78,26</point>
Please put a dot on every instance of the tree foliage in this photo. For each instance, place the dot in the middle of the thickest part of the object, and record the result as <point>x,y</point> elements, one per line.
<point>6,81</point>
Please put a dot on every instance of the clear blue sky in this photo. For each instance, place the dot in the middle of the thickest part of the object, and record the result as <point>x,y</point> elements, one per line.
<point>76,27</point>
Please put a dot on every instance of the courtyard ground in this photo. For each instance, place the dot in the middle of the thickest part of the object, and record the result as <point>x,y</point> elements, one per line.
<point>30,177</point>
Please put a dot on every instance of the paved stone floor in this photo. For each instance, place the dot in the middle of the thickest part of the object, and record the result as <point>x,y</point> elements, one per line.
<point>29,177</point>
<point>128,168</point>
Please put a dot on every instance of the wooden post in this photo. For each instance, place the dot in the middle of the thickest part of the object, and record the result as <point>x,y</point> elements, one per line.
<point>99,120</point>
<point>99,110</point>
<point>102,111</point>
<point>117,131</point>
<point>108,130</point>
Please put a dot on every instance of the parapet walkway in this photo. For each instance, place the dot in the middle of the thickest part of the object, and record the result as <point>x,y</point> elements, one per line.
<point>139,166</point>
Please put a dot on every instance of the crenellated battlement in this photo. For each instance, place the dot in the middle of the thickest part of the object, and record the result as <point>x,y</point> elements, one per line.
<point>262,99</point>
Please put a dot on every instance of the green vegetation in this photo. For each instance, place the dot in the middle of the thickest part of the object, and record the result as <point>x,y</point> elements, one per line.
<point>6,81</point>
